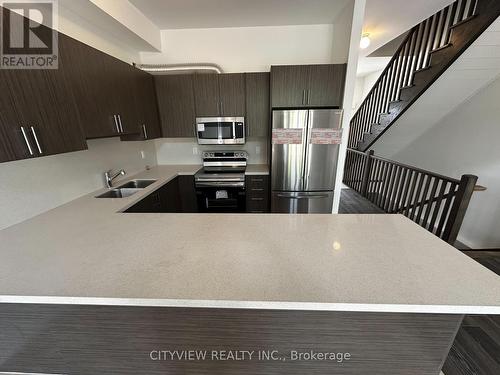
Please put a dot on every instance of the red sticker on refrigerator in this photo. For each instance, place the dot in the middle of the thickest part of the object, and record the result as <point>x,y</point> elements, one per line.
<point>287,136</point>
<point>325,136</point>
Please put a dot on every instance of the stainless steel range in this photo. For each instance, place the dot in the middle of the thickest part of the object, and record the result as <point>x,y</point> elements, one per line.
<point>220,185</point>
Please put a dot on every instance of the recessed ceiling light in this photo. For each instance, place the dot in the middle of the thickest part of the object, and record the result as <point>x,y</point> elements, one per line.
<point>365,41</point>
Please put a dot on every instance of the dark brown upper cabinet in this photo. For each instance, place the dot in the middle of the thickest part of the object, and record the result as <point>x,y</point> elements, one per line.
<point>219,94</point>
<point>175,98</point>
<point>39,113</point>
<point>92,86</point>
<point>206,94</point>
<point>105,88</point>
<point>299,86</point>
<point>232,94</point>
<point>257,104</point>
<point>326,88</point>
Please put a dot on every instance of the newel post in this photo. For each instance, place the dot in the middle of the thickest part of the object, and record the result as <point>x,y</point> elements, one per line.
<point>366,173</point>
<point>459,208</point>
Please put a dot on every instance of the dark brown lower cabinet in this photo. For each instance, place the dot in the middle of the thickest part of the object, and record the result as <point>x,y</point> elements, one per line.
<point>178,195</point>
<point>126,340</point>
<point>257,190</point>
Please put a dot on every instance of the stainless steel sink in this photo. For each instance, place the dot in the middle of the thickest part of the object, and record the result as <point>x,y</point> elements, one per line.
<point>118,193</point>
<point>136,184</point>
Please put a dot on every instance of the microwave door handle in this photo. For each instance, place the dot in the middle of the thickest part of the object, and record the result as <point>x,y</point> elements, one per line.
<point>234,130</point>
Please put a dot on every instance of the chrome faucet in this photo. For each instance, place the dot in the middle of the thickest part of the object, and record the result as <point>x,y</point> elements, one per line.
<point>108,177</point>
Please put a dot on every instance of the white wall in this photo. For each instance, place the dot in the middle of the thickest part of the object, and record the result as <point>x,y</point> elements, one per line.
<point>363,86</point>
<point>248,49</point>
<point>32,186</point>
<point>465,141</point>
<point>188,151</point>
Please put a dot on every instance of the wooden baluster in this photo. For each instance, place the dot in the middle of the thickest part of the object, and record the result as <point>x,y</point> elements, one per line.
<point>421,48</point>
<point>453,13</point>
<point>430,41</point>
<point>367,167</point>
<point>400,190</point>
<point>423,198</point>
<point>414,198</point>
<point>444,214</point>
<point>431,202</point>
<point>439,30</point>
<point>397,189</point>
<point>392,189</point>
<point>437,206</point>
<point>460,11</point>
<point>408,210</point>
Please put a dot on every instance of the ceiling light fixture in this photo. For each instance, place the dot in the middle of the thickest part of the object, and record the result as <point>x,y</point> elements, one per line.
<point>365,41</point>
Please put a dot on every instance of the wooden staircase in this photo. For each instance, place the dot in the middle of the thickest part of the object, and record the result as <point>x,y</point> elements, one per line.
<point>427,51</point>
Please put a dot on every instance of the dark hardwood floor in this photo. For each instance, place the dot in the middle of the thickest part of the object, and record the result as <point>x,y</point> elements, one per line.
<point>351,202</point>
<point>476,349</point>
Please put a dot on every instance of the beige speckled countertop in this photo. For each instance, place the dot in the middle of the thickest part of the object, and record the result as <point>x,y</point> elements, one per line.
<point>257,169</point>
<point>87,252</point>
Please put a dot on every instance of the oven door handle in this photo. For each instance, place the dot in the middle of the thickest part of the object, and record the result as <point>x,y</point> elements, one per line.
<point>219,184</point>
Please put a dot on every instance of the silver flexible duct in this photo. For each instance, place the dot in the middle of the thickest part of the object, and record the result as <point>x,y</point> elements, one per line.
<point>176,68</point>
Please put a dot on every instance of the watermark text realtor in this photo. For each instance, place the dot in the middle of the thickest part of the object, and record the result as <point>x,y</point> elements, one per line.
<point>28,39</point>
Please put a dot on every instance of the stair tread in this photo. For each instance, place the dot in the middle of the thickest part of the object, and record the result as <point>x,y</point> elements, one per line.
<point>463,21</point>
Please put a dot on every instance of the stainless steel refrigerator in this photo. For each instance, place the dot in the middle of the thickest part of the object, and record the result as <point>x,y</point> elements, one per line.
<point>303,167</point>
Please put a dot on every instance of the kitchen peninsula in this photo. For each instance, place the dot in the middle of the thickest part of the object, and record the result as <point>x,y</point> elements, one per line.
<point>86,287</point>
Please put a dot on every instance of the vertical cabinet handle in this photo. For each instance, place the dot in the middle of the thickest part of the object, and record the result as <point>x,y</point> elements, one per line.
<point>120,122</point>
<point>115,118</point>
<point>36,140</point>
<point>26,140</point>
<point>145,131</point>
<point>303,96</point>
<point>308,96</point>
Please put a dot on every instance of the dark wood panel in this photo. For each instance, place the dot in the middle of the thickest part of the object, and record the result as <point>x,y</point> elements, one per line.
<point>91,85</point>
<point>326,87</point>
<point>12,143</point>
<point>257,104</point>
<point>176,105</point>
<point>187,194</point>
<point>289,85</point>
<point>257,193</point>
<point>44,100</point>
<point>120,340</point>
<point>206,94</point>
<point>146,108</point>
<point>232,94</point>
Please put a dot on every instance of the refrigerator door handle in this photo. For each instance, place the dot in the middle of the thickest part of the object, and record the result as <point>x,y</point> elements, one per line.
<point>311,196</point>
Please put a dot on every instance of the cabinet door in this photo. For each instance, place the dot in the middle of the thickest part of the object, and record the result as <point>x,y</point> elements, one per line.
<point>45,104</point>
<point>206,94</point>
<point>176,105</point>
<point>146,108</point>
<point>188,200</point>
<point>150,117</point>
<point>13,145</point>
<point>257,104</point>
<point>232,94</point>
<point>121,76</point>
<point>91,86</point>
<point>289,85</point>
<point>169,196</point>
<point>327,85</point>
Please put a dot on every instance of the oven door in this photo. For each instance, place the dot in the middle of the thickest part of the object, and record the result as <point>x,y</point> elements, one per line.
<point>221,199</point>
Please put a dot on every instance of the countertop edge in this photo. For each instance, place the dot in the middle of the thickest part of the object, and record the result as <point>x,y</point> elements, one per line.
<point>254,305</point>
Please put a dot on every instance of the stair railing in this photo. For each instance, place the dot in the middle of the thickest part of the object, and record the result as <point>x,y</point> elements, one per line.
<point>413,55</point>
<point>436,202</point>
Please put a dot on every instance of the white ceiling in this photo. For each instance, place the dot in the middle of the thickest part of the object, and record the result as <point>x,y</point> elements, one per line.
<point>186,14</point>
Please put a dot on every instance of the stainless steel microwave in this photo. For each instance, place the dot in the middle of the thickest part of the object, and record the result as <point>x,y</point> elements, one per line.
<point>220,130</point>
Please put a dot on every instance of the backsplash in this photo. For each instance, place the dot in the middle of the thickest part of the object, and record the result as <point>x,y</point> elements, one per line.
<point>32,186</point>
<point>188,151</point>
